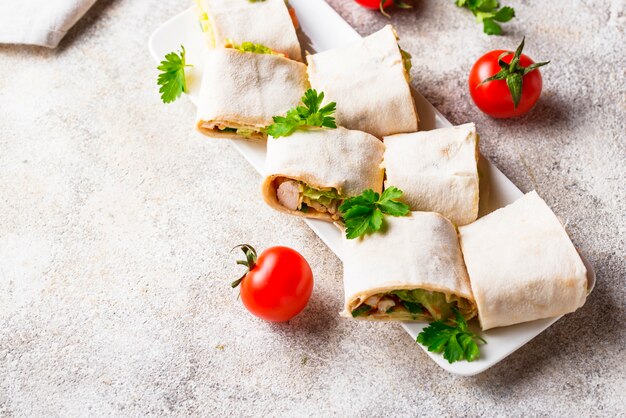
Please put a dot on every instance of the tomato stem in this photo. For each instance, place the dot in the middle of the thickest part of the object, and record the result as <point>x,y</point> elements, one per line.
<point>398,3</point>
<point>249,262</point>
<point>381,7</point>
<point>238,281</point>
<point>513,73</point>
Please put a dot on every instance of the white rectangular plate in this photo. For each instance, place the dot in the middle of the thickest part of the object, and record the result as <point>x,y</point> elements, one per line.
<point>316,36</point>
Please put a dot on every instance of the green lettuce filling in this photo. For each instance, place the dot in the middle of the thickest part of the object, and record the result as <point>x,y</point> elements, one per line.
<point>323,197</point>
<point>205,23</point>
<point>245,132</point>
<point>416,305</point>
<point>434,302</point>
<point>250,47</point>
<point>406,60</point>
<point>414,308</point>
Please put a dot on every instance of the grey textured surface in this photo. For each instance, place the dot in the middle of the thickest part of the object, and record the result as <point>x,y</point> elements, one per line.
<point>116,220</point>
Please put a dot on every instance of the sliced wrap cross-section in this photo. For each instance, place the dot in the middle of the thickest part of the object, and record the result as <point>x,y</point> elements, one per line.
<point>412,270</point>
<point>310,172</point>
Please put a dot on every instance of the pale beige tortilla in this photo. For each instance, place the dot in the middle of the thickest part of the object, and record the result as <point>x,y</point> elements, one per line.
<point>245,90</point>
<point>419,251</point>
<point>522,265</point>
<point>369,83</point>
<point>266,22</point>
<point>436,170</point>
<point>349,161</point>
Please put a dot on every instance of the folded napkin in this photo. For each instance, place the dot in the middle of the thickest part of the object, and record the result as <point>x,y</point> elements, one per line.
<point>39,22</point>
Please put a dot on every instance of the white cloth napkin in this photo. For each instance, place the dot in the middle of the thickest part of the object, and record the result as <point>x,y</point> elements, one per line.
<point>39,22</point>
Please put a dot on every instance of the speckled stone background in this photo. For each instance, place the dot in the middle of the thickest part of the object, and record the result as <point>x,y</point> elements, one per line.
<point>116,220</point>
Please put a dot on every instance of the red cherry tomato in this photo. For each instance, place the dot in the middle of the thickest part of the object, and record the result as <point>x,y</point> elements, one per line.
<point>278,285</point>
<point>494,97</point>
<point>374,4</point>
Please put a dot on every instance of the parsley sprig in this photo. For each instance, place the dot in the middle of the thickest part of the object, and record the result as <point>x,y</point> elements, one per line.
<point>172,78</point>
<point>364,213</point>
<point>513,73</point>
<point>309,115</point>
<point>488,12</point>
<point>455,342</point>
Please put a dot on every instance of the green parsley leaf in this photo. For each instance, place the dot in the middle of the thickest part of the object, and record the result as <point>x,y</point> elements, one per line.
<point>490,27</point>
<point>488,12</point>
<point>456,342</point>
<point>172,77</point>
<point>364,213</point>
<point>505,14</point>
<point>309,115</point>
<point>389,205</point>
<point>484,5</point>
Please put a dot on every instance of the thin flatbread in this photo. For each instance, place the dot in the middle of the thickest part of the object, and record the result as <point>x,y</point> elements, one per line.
<point>420,251</point>
<point>368,81</point>
<point>436,170</point>
<point>242,91</point>
<point>345,160</point>
<point>522,265</point>
<point>267,22</point>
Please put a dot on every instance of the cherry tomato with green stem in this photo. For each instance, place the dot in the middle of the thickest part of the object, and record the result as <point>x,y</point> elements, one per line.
<point>277,285</point>
<point>505,84</point>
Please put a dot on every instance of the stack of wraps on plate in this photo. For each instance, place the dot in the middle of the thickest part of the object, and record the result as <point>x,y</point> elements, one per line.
<point>369,80</point>
<point>241,91</point>
<point>519,261</point>
<point>269,22</point>
<point>514,265</point>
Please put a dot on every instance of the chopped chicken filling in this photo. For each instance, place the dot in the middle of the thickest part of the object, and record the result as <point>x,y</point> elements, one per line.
<point>289,194</point>
<point>295,195</point>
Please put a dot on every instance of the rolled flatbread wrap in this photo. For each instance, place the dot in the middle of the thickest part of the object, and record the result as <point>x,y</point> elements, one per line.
<point>269,22</point>
<point>241,91</point>
<point>436,170</point>
<point>411,271</point>
<point>310,172</point>
<point>369,82</point>
<point>522,265</point>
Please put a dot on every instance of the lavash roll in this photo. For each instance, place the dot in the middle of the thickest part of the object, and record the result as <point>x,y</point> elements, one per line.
<point>368,81</point>
<point>419,251</point>
<point>346,160</point>
<point>266,22</point>
<point>245,90</point>
<point>522,264</point>
<point>436,170</point>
